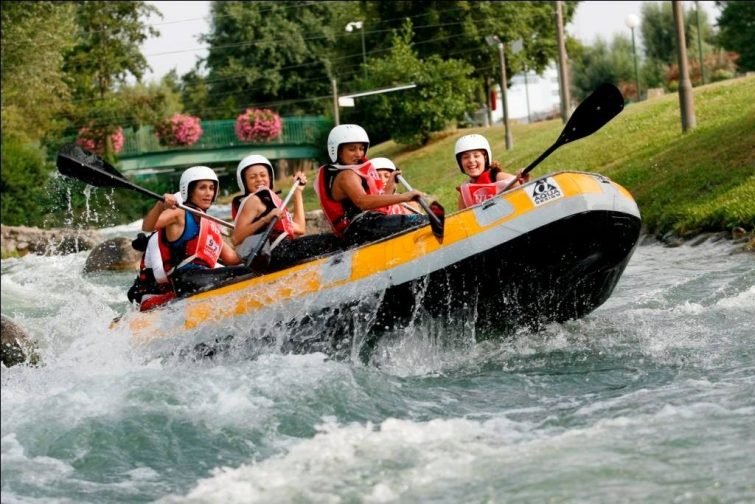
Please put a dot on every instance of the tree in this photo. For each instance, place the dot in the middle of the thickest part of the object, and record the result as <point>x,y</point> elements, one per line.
<point>106,52</point>
<point>737,30</point>
<point>444,92</point>
<point>34,36</point>
<point>603,63</point>
<point>263,52</point>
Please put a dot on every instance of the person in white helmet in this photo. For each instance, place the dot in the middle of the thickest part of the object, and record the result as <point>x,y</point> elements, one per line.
<point>387,171</point>
<point>352,195</point>
<point>258,205</point>
<point>486,177</point>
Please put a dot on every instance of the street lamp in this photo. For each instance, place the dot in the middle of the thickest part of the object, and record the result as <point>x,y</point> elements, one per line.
<point>358,25</point>
<point>633,22</point>
<point>494,40</point>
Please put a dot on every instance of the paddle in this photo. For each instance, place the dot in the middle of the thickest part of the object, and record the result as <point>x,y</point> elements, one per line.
<point>591,115</point>
<point>435,212</point>
<point>263,239</point>
<point>76,162</point>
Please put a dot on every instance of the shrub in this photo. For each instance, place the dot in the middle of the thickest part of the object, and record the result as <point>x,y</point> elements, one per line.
<point>258,125</point>
<point>179,130</point>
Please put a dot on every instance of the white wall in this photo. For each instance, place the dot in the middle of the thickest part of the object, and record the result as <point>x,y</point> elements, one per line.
<point>543,93</point>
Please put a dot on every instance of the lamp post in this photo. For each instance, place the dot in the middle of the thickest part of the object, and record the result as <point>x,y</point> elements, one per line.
<point>494,40</point>
<point>359,25</point>
<point>700,42</point>
<point>686,101</point>
<point>632,22</point>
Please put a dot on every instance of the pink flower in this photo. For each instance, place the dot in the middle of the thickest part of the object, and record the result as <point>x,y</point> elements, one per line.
<point>258,125</point>
<point>92,138</point>
<point>180,129</point>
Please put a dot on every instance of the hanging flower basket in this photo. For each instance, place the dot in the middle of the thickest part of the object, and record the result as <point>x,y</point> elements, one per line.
<point>258,125</point>
<point>179,130</point>
<point>93,138</point>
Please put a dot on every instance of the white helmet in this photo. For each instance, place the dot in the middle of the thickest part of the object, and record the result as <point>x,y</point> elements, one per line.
<point>197,173</point>
<point>382,163</point>
<point>472,142</point>
<point>346,133</point>
<point>248,161</point>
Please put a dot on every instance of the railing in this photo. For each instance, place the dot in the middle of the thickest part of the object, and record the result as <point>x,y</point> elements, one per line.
<point>221,134</point>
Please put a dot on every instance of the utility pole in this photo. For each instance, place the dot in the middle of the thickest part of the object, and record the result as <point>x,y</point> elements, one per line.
<point>563,71</point>
<point>686,101</point>
<point>700,43</point>
<point>504,100</point>
<point>335,102</point>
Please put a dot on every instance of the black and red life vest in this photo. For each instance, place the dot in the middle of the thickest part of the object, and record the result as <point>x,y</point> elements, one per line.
<point>271,200</point>
<point>340,213</point>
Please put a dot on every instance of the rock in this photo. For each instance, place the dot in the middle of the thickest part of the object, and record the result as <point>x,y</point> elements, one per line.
<point>738,233</point>
<point>115,254</point>
<point>15,347</point>
<point>316,223</point>
<point>21,240</point>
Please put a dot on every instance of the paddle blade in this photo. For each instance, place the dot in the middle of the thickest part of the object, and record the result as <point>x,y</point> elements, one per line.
<point>77,162</point>
<point>438,223</point>
<point>593,113</point>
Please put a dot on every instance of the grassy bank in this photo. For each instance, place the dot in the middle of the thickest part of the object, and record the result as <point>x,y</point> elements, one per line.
<point>700,181</point>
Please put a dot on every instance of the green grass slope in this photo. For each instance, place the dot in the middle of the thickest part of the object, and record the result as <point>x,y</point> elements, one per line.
<point>700,181</point>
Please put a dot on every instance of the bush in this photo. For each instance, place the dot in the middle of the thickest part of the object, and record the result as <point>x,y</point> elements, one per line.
<point>23,182</point>
<point>179,130</point>
<point>258,125</point>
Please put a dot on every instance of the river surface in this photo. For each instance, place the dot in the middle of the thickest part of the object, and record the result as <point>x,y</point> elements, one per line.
<point>650,398</point>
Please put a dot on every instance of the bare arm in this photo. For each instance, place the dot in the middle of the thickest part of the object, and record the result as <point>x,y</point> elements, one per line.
<point>244,225</point>
<point>152,219</point>
<point>348,185</point>
<point>300,221</point>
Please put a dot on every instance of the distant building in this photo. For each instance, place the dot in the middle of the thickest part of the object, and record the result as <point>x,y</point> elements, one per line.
<point>543,93</point>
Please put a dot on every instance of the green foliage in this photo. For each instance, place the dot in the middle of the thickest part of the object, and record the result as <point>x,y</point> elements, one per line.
<point>737,30</point>
<point>23,182</point>
<point>600,63</point>
<point>261,52</point>
<point>34,90</point>
<point>107,48</point>
<point>444,91</point>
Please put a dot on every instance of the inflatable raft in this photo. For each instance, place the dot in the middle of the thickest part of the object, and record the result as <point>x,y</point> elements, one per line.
<point>550,250</point>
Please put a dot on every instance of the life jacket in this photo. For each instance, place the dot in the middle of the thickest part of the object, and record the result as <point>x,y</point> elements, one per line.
<point>200,243</point>
<point>271,201</point>
<point>482,188</point>
<point>340,213</point>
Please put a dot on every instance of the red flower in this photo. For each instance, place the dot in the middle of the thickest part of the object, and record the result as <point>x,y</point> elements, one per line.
<point>258,125</point>
<point>93,139</point>
<point>180,129</point>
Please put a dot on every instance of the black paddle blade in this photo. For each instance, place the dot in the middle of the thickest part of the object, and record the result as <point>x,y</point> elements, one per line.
<point>77,162</point>
<point>438,223</point>
<point>593,113</point>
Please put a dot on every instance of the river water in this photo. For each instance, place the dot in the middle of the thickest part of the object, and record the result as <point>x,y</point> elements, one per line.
<point>651,398</point>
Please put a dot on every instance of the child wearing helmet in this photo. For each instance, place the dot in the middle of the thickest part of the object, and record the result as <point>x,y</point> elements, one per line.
<point>351,193</point>
<point>258,205</point>
<point>486,178</point>
<point>183,241</point>
<point>387,172</point>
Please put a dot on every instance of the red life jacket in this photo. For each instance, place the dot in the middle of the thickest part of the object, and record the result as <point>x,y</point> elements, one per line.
<point>271,201</point>
<point>337,212</point>
<point>484,187</point>
<point>203,248</point>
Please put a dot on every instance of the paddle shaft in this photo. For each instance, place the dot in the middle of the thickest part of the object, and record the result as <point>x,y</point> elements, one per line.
<point>269,228</point>
<point>422,202</point>
<point>533,164</point>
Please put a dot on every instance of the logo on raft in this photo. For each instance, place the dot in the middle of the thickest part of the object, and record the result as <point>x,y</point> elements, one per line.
<point>543,191</point>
